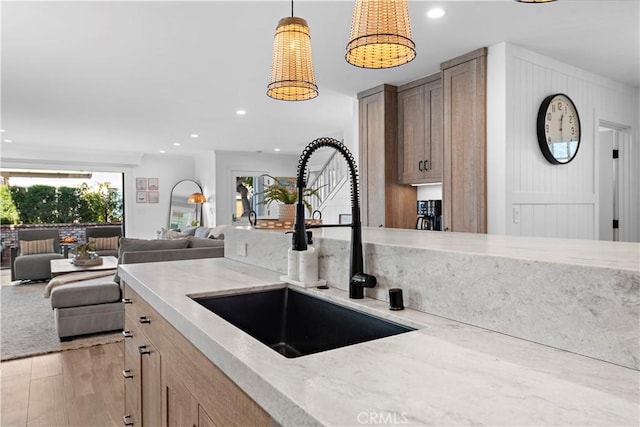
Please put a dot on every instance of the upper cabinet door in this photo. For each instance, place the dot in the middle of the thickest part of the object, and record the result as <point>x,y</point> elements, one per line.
<point>420,131</point>
<point>433,119</point>
<point>412,142</point>
<point>385,203</point>
<point>465,145</point>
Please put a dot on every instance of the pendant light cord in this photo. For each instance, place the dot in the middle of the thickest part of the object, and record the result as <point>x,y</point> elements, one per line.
<point>292,8</point>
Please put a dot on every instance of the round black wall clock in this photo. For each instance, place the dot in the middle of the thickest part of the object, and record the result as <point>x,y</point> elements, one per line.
<point>558,129</point>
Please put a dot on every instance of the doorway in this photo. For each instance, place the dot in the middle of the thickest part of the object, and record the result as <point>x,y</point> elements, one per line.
<point>618,184</point>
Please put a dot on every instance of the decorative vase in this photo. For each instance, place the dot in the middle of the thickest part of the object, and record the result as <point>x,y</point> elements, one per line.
<point>287,213</point>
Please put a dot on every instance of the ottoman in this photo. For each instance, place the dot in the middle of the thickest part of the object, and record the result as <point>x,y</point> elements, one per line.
<point>87,307</point>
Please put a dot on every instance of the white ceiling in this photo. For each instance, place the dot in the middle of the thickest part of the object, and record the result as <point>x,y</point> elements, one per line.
<point>139,76</point>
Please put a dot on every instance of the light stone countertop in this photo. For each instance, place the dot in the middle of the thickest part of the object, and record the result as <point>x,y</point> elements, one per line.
<point>444,373</point>
<point>592,253</point>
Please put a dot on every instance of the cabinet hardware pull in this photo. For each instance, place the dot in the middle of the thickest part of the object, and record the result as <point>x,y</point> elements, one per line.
<point>144,350</point>
<point>420,165</point>
<point>127,373</point>
<point>127,334</point>
<point>144,319</point>
<point>126,420</point>
<point>426,168</point>
<point>127,300</point>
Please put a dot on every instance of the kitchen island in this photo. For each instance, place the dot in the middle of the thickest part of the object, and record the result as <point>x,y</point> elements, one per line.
<point>443,373</point>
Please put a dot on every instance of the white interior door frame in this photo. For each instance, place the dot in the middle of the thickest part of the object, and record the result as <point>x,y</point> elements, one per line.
<point>624,198</point>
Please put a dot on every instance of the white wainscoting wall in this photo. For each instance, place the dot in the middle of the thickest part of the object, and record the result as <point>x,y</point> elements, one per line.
<point>541,199</point>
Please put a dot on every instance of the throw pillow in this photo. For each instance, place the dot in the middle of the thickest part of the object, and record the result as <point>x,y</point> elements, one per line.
<point>172,234</point>
<point>189,230</point>
<point>104,243</point>
<point>30,247</point>
<point>202,232</point>
<point>218,232</point>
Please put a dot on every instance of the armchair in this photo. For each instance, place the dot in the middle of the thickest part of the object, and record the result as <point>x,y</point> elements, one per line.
<point>105,239</point>
<point>36,248</point>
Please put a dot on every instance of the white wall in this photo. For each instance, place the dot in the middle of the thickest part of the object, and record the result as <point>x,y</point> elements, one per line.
<point>496,139</point>
<point>144,219</point>
<point>550,200</point>
<point>205,172</point>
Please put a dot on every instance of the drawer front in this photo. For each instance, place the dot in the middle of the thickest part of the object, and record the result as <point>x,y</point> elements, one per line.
<point>137,308</point>
<point>131,372</point>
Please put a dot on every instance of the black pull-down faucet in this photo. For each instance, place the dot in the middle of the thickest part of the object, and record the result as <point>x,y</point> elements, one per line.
<point>358,280</point>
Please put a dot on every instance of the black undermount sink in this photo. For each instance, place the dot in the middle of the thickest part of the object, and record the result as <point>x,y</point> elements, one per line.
<point>296,324</point>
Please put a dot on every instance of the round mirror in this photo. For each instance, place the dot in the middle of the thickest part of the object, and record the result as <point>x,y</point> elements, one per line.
<point>182,212</point>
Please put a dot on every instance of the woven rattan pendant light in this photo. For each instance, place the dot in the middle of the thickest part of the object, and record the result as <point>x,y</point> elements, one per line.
<point>292,77</point>
<point>380,34</point>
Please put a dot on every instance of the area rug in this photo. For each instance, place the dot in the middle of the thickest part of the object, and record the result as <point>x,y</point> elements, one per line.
<point>27,326</point>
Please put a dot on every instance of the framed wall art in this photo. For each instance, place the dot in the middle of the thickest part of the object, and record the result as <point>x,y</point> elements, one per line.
<point>154,196</point>
<point>152,184</point>
<point>141,184</point>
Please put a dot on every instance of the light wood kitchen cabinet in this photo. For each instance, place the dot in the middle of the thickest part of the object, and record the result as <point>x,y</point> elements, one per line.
<point>465,145</point>
<point>385,203</point>
<point>188,389</point>
<point>142,378</point>
<point>180,408</point>
<point>420,131</point>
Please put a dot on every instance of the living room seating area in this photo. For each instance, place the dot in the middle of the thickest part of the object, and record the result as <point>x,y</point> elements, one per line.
<point>34,249</point>
<point>94,305</point>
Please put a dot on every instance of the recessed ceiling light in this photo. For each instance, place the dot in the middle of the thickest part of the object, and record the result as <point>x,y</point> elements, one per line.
<point>1,130</point>
<point>194,135</point>
<point>163,151</point>
<point>435,13</point>
<point>177,144</point>
<point>241,112</point>
<point>7,140</point>
<point>276,149</point>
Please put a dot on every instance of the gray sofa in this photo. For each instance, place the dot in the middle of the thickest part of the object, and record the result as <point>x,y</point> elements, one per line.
<point>35,266</point>
<point>95,305</point>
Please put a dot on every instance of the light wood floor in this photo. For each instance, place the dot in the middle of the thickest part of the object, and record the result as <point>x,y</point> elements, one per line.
<point>72,388</point>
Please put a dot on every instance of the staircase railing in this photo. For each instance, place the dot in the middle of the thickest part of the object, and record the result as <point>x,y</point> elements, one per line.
<point>328,180</point>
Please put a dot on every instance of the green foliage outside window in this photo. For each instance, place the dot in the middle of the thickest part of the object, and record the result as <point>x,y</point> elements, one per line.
<point>8,211</point>
<point>44,204</point>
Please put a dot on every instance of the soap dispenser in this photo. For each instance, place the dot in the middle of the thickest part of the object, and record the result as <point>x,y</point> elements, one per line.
<point>308,262</point>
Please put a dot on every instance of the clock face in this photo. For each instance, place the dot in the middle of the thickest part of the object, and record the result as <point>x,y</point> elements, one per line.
<point>558,129</point>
